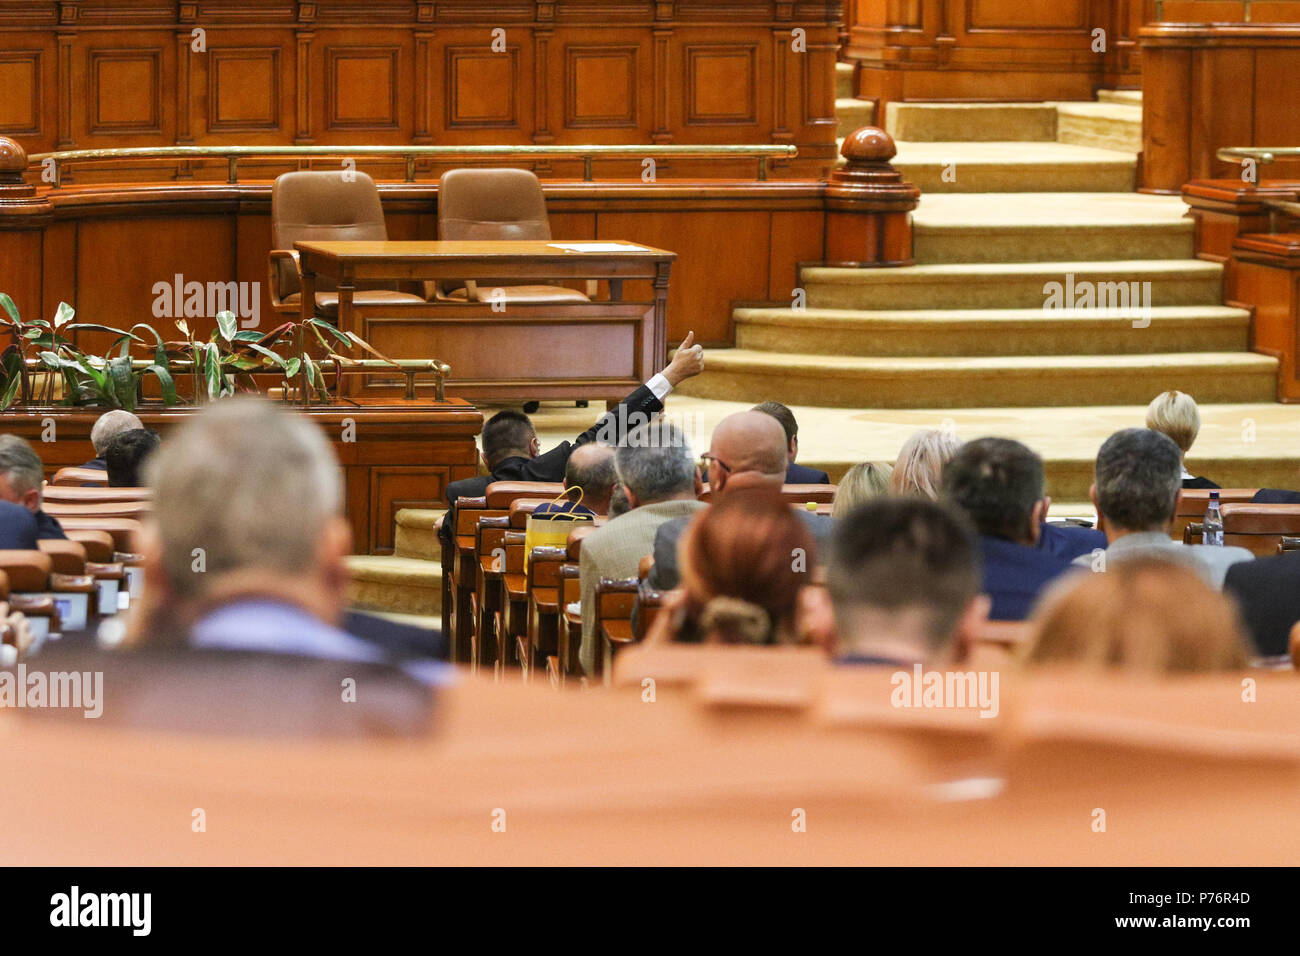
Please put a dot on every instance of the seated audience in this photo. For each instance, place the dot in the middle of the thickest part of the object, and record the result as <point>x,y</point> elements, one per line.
<point>107,427</point>
<point>904,580</point>
<point>126,455</point>
<point>746,450</point>
<point>1137,477</point>
<point>1268,592</point>
<point>794,474</point>
<point>656,468</point>
<point>218,578</point>
<point>1175,414</point>
<point>22,477</point>
<point>920,463</point>
<point>745,565</point>
<point>17,528</point>
<point>1146,613</point>
<point>999,484</point>
<point>861,483</point>
<point>512,452</point>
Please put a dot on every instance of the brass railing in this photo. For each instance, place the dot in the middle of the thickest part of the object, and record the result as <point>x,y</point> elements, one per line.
<point>409,154</point>
<point>1263,156</point>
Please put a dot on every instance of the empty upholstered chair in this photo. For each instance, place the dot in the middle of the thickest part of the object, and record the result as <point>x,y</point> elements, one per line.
<point>483,204</point>
<point>324,207</point>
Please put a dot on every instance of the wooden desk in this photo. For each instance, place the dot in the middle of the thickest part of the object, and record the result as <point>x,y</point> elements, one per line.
<point>600,349</point>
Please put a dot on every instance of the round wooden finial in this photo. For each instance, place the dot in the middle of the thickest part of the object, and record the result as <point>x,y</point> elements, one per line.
<point>870,144</point>
<point>13,158</point>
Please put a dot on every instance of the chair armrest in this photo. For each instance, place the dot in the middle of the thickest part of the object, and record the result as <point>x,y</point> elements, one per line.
<point>273,276</point>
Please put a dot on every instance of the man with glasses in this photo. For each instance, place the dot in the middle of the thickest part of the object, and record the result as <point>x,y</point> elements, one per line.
<point>747,450</point>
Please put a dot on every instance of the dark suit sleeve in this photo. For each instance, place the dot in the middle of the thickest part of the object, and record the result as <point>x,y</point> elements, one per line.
<point>636,409</point>
<point>1276,496</point>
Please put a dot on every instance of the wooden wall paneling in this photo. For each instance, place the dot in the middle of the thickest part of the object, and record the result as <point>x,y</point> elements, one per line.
<point>59,280</point>
<point>120,260</point>
<point>122,86</point>
<point>1230,120</point>
<point>364,77</point>
<point>480,97</point>
<point>702,286</point>
<point>28,113</point>
<point>245,88</point>
<point>796,237</point>
<point>303,87</point>
<point>20,271</point>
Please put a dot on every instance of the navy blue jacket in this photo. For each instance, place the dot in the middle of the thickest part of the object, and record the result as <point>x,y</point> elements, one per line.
<point>17,528</point>
<point>1070,540</point>
<point>797,474</point>
<point>1015,575</point>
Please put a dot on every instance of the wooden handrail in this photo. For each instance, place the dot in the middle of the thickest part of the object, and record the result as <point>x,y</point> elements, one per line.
<point>588,154</point>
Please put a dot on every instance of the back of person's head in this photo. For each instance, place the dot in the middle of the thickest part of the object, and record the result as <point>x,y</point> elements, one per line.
<point>618,503</point>
<point>126,455</point>
<point>655,463</point>
<point>507,434</point>
<point>906,562</point>
<point>1145,614</point>
<point>750,450</point>
<point>21,472</point>
<point>787,420</point>
<point>744,561</point>
<point>591,468</point>
<point>1138,475</point>
<point>109,425</point>
<point>1175,414</point>
<point>920,463</point>
<point>243,486</point>
<point>861,483</point>
<point>999,483</point>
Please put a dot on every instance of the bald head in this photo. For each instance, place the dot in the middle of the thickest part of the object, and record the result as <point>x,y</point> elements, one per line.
<point>749,448</point>
<point>591,468</point>
<point>109,425</point>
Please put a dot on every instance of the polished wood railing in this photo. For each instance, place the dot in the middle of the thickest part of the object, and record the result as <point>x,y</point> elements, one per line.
<point>57,162</point>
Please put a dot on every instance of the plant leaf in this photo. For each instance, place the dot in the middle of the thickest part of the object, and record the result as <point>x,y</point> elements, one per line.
<point>122,381</point>
<point>212,371</point>
<point>9,307</point>
<point>227,324</point>
<point>63,314</point>
<point>318,324</point>
<point>165,380</point>
<point>275,357</point>
<point>292,367</point>
<point>184,328</point>
<point>370,348</point>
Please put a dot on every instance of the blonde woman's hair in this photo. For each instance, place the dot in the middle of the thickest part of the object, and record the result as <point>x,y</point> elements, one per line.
<point>862,482</point>
<point>1145,614</point>
<point>1175,414</point>
<point>921,461</point>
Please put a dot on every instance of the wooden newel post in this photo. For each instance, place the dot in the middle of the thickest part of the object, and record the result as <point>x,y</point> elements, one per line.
<point>23,217</point>
<point>869,205</point>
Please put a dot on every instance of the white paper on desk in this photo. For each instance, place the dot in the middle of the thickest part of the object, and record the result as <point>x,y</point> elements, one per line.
<point>589,246</point>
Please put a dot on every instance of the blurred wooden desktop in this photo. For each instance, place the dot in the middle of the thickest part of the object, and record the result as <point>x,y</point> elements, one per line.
<point>601,349</point>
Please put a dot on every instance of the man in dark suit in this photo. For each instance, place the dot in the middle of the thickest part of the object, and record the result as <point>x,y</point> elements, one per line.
<point>1268,591</point>
<point>125,456</point>
<point>17,528</point>
<point>21,478</point>
<point>512,452</point>
<point>794,474</point>
<point>999,483</point>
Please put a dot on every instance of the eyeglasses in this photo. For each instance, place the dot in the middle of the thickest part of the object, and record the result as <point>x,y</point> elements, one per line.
<point>706,460</point>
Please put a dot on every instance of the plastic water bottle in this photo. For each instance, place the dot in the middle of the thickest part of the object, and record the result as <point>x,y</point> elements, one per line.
<point>1213,527</point>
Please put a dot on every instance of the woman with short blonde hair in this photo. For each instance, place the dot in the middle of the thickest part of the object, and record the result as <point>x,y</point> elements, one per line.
<point>861,483</point>
<point>1175,415</point>
<point>921,461</point>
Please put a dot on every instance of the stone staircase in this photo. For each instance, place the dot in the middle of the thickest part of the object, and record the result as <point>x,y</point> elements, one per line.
<point>406,585</point>
<point>1015,198</point>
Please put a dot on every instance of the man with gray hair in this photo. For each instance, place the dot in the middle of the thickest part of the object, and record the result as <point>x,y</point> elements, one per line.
<point>246,545</point>
<point>1137,477</point>
<point>22,477</point>
<point>107,427</point>
<point>656,470</point>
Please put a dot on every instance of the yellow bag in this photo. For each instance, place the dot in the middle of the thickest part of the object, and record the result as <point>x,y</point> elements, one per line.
<point>551,527</point>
